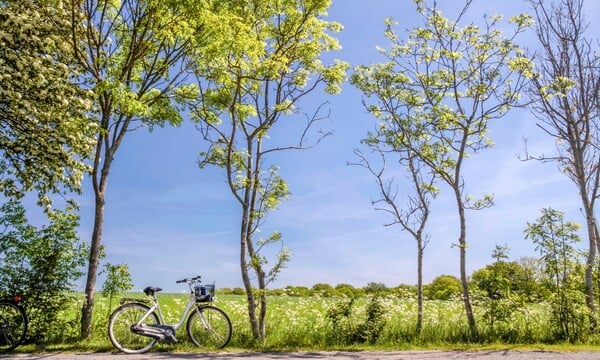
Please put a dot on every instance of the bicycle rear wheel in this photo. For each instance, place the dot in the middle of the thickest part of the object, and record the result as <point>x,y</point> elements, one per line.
<point>119,328</point>
<point>13,326</point>
<point>209,327</point>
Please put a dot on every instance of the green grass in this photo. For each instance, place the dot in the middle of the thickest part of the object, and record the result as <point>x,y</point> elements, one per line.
<point>301,323</point>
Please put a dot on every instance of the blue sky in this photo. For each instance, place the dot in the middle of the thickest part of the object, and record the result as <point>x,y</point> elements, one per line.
<point>167,219</point>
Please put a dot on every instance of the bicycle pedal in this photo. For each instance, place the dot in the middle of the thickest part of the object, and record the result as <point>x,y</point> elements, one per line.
<point>171,339</point>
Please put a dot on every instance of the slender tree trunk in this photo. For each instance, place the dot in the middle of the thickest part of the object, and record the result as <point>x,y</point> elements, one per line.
<point>94,259</point>
<point>96,243</point>
<point>590,265</point>
<point>244,240</point>
<point>462,246</point>
<point>588,208</point>
<point>262,319</point>
<point>258,321</point>
<point>419,286</point>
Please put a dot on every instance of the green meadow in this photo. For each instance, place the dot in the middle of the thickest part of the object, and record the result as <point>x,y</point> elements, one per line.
<point>326,323</point>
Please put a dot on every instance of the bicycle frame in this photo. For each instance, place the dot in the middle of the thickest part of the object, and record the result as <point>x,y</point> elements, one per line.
<point>156,308</point>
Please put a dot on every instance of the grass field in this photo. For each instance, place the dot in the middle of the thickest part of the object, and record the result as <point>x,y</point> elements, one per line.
<point>306,323</point>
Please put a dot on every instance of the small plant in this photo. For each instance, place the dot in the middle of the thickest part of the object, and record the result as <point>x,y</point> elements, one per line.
<point>345,331</point>
<point>556,240</point>
<point>370,329</point>
<point>118,280</point>
<point>340,316</point>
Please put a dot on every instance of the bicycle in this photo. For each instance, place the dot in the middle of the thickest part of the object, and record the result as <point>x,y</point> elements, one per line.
<point>13,323</point>
<point>137,324</point>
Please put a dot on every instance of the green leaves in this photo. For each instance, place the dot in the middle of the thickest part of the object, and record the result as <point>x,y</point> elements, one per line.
<point>44,133</point>
<point>442,85</point>
<point>42,264</point>
<point>262,61</point>
<point>266,57</point>
<point>557,240</point>
<point>118,280</point>
<point>133,56</point>
<point>435,95</point>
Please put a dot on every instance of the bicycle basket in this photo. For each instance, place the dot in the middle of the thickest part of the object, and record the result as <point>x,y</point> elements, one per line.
<point>204,293</point>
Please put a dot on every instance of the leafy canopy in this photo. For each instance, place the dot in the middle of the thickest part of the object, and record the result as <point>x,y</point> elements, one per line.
<point>44,134</point>
<point>441,86</point>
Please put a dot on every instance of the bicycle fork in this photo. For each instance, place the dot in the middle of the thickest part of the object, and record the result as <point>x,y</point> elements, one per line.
<point>205,323</point>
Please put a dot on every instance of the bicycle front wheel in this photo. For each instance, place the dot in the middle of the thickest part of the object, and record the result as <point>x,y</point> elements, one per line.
<point>209,327</point>
<point>121,334</point>
<point>13,326</point>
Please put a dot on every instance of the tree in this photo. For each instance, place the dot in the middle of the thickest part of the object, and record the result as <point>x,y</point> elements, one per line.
<point>443,287</point>
<point>556,240</point>
<point>132,53</point>
<point>348,290</point>
<point>44,134</point>
<point>415,213</point>
<point>321,289</point>
<point>532,270</point>
<point>375,288</point>
<point>271,63</point>
<point>504,285</point>
<point>565,96</point>
<point>448,82</point>
<point>502,278</point>
<point>42,265</point>
<point>118,280</point>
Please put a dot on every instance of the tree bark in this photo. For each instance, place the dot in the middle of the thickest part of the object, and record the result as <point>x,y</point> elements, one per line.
<point>590,262</point>
<point>246,276</point>
<point>419,285</point>
<point>94,260</point>
<point>99,185</point>
<point>462,246</point>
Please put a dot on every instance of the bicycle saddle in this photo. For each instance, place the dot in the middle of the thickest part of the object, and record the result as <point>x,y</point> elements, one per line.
<point>150,291</point>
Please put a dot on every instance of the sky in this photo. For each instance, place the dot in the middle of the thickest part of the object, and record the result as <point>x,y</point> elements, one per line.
<point>167,219</point>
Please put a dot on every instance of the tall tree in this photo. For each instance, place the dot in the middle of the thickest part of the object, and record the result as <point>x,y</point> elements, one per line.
<point>44,134</point>
<point>412,215</point>
<point>566,95</point>
<point>272,61</point>
<point>132,53</point>
<point>448,82</point>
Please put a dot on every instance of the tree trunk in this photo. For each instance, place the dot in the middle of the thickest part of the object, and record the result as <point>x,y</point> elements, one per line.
<point>588,207</point>
<point>419,286</point>
<point>246,276</point>
<point>462,246</point>
<point>262,319</point>
<point>99,179</point>
<point>590,265</point>
<point>94,260</point>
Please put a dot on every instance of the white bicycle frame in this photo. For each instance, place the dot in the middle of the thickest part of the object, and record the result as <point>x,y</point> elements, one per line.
<point>191,303</point>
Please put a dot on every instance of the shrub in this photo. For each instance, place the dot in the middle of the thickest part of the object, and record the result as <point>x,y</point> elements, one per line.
<point>349,328</point>
<point>42,265</point>
<point>443,287</point>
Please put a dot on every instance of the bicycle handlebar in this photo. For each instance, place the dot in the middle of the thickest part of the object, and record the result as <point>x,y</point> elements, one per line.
<point>188,279</point>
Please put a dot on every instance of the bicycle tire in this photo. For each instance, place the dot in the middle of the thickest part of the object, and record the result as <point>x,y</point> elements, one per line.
<point>13,326</point>
<point>119,328</point>
<point>212,330</point>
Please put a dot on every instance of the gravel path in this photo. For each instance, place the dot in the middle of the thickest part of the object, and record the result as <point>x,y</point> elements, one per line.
<point>342,355</point>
